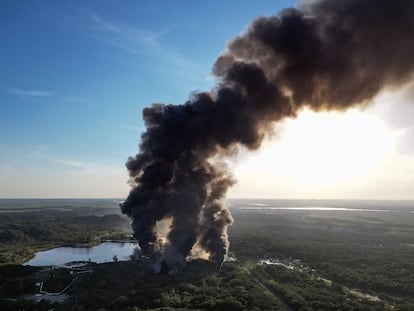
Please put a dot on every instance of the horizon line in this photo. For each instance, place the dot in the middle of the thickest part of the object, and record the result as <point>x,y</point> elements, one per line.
<point>230,198</point>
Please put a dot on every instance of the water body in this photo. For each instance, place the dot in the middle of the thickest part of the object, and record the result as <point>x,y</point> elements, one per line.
<point>317,208</point>
<point>100,207</point>
<point>374,206</point>
<point>101,253</point>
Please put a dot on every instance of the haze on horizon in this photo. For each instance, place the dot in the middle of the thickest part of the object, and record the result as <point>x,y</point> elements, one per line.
<point>76,76</point>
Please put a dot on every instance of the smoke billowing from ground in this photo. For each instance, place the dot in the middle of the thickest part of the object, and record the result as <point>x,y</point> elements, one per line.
<point>325,55</point>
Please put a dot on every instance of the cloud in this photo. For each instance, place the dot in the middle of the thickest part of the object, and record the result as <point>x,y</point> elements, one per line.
<point>129,38</point>
<point>57,175</point>
<point>79,180</point>
<point>91,169</point>
<point>397,110</point>
<point>35,93</point>
<point>137,40</point>
<point>72,163</point>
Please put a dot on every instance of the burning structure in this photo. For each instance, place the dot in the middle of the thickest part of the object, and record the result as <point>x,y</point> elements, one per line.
<point>324,55</point>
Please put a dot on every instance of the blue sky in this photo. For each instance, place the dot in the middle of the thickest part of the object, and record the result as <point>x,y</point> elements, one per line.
<point>75,76</point>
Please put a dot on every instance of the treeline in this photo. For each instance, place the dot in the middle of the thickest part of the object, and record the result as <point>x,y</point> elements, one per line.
<point>346,263</point>
<point>237,286</point>
<point>305,291</point>
<point>21,235</point>
<point>377,258</point>
<point>133,286</point>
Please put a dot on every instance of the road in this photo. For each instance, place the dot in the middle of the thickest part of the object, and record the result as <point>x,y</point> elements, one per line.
<point>262,283</point>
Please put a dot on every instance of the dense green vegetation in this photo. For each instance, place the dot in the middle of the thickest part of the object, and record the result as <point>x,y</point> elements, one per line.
<point>23,231</point>
<point>370,254</point>
<point>315,261</point>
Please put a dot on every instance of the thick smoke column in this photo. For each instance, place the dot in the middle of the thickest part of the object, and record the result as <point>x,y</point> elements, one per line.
<point>325,55</point>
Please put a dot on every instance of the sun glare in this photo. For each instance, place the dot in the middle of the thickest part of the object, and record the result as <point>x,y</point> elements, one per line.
<point>322,149</point>
<point>331,147</point>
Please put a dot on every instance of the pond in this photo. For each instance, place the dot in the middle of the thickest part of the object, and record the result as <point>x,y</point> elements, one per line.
<point>101,253</point>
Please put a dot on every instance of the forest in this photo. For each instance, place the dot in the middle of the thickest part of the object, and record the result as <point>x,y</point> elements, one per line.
<point>279,260</point>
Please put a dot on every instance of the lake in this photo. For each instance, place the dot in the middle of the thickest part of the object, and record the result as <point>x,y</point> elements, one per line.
<point>101,253</point>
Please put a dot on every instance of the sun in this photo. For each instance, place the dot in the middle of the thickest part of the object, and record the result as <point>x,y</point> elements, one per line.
<point>319,149</point>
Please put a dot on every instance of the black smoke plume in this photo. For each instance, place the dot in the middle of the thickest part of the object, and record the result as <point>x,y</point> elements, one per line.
<point>324,55</point>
